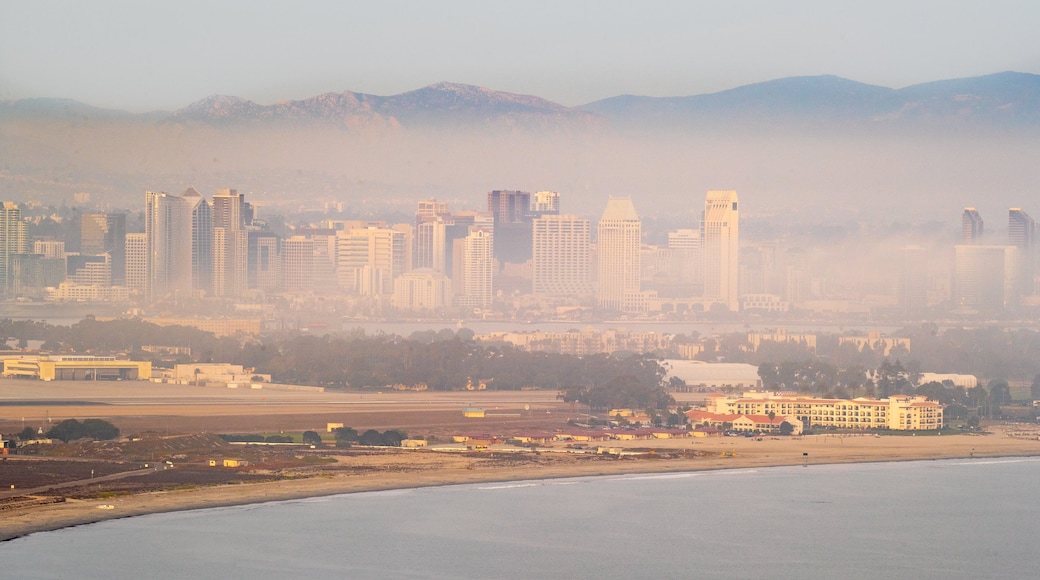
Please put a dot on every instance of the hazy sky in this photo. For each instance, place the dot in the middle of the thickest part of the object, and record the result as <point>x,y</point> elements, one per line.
<point>163,55</point>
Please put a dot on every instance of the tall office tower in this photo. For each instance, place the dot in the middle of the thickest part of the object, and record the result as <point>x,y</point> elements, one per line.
<point>102,233</point>
<point>475,263</point>
<point>560,255</point>
<point>545,202</point>
<point>228,209</point>
<point>298,263</point>
<point>326,261</point>
<point>201,240</point>
<point>720,235</point>
<point>167,227</point>
<point>230,244</point>
<point>264,264</point>
<point>511,211</point>
<point>457,227</point>
<point>12,240</point>
<point>619,238</point>
<point>137,262</point>
<point>684,250</point>
<point>971,226</point>
<point>370,259</point>
<point>985,278</point>
<point>913,281</point>
<point>429,250</point>
<point>1022,235</point>
<point>797,279</point>
<point>230,262</point>
<point>50,249</point>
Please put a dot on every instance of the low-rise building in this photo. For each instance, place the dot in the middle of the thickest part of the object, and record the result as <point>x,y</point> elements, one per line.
<point>77,368</point>
<point>897,412</point>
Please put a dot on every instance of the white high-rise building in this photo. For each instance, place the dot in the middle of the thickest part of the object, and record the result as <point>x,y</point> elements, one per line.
<point>720,242</point>
<point>137,262</point>
<point>475,263</point>
<point>230,244</point>
<point>421,289</point>
<point>560,255</point>
<point>619,238</point>
<point>167,228</point>
<point>370,259</point>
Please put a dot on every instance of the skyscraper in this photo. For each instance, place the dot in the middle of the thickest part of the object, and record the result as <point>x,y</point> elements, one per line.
<point>511,211</point>
<point>298,263</point>
<point>971,226</point>
<point>720,235</point>
<point>12,241</point>
<point>1022,235</point>
<point>201,240</point>
<point>561,255</point>
<point>545,202</point>
<point>913,281</point>
<point>619,237</point>
<point>475,265</point>
<point>167,228</point>
<point>370,259</point>
<point>230,243</point>
<point>431,219</point>
<point>102,233</point>
<point>985,278</point>
<point>137,262</point>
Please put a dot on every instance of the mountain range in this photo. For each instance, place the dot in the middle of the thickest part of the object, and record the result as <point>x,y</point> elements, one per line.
<point>818,141</point>
<point>1002,101</point>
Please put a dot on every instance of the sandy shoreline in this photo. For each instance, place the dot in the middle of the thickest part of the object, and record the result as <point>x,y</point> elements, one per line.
<point>431,469</point>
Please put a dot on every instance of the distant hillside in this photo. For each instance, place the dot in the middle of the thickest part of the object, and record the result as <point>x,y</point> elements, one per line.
<point>441,103</point>
<point>999,101</point>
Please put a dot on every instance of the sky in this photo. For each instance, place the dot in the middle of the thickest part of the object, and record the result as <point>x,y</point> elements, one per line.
<point>141,56</point>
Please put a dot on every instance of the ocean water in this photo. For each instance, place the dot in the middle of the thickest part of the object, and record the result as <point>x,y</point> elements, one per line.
<point>928,519</point>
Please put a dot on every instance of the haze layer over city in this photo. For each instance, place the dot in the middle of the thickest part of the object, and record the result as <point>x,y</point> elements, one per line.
<point>263,252</point>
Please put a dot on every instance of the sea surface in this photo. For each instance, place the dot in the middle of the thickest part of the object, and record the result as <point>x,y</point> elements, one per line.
<point>927,519</point>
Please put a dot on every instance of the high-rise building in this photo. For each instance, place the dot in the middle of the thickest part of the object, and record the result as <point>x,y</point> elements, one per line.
<point>50,249</point>
<point>511,211</point>
<point>431,220</point>
<point>985,278</point>
<point>12,240</point>
<point>298,263</point>
<point>102,233</point>
<point>1022,235</point>
<point>167,227</point>
<point>971,226</point>
<point>370,259</point>
<point>545,202</point>
<point>619,238</point>
<point>137,262</point>
<point>913,281</point>
<point>230,243</point>
<point>561,255</point>
<point>720,235</point>
<point>475,263</point>
<point>264,262</point>
<point>201,240</point>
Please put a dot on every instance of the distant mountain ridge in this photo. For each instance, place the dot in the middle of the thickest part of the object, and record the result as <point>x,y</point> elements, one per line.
<point>441,102</point>
<point>1000,101</point>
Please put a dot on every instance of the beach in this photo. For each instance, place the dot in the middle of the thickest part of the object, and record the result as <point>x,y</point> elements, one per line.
<point>398,469</point>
